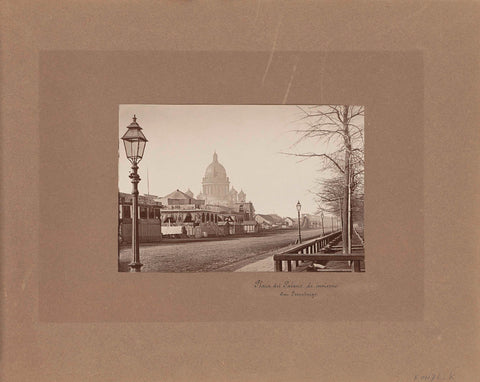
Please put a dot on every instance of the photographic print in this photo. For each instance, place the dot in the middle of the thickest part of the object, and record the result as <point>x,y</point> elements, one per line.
<point>247,97</point>
<point>241,188</point>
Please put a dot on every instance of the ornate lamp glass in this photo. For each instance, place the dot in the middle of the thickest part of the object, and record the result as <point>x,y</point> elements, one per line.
<point>299,206</point>
<point>134,142</point>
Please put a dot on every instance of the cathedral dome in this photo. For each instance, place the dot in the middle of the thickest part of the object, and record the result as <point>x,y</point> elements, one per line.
<point>215,170</point>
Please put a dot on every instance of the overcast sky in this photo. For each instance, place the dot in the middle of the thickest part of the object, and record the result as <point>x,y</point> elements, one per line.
<point>248,141</point>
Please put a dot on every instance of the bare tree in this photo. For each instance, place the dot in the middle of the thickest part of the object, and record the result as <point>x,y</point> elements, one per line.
<point>340,130</point>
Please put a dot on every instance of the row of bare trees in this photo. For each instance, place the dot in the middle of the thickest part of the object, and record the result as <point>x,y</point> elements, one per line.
<point>338,133</point>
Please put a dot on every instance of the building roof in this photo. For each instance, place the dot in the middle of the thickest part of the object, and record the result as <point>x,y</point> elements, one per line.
<point>268,218</point>
<point>171,211</point>
<point>177,194</point>
<point>272,218</point>
<point>142,199</point>
<point>178,197</point>
<point>276,218</point>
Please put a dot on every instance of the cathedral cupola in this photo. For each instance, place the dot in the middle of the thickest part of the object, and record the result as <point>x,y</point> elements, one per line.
<point>215,171</point>
<point>215,184</point>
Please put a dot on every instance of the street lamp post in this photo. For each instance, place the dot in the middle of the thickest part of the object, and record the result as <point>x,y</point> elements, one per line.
<point>332,222</point>
<point>323,227</point>
<point>299,207</point>
<point>134,142</point>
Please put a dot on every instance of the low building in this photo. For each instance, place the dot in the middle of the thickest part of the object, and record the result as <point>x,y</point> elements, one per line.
<point>149,223</point>
<point>264,221</point>
<point>246,209</point>
<point>277,220</point>
<point>269,221</point>
<point>178,214</point>
<point>250,226</point>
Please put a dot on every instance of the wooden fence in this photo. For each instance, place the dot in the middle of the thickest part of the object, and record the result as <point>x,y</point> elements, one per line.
<point>148,231</point>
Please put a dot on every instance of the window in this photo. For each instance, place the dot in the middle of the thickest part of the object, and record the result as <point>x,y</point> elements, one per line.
<point>156,213</point>
<point>151,213</point>
<point>126,214</point>
<point>143,212</point>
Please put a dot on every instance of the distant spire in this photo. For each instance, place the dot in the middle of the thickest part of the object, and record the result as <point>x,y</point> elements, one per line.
<point>215,156</point>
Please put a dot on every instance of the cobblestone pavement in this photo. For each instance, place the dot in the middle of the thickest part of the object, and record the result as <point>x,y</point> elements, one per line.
<point>223,255</point>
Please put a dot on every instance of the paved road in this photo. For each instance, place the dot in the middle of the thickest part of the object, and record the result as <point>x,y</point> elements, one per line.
<point>224,255</point>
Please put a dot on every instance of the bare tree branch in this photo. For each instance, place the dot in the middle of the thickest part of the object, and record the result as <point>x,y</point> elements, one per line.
<point>312,155</point>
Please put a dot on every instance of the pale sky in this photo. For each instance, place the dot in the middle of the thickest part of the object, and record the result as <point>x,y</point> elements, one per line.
<point>248,140</point>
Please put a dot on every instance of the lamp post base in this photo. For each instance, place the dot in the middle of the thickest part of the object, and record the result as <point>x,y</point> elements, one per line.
<point>135,267</point>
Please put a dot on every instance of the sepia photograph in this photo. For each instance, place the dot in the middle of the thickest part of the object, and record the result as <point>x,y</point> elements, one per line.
<point>241,188</point>
<point>244,191</point>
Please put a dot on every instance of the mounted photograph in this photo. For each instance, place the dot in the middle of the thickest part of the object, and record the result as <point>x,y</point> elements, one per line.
<point>241,188</point>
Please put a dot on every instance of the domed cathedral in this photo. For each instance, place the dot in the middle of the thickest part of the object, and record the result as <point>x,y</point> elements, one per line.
<point>216,186</point>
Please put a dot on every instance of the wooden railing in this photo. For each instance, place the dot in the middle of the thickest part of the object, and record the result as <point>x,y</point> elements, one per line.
<point>315,245</point>
<point>314,250</point>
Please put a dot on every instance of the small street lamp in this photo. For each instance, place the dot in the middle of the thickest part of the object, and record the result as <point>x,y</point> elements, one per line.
<point>134,142</point>
<point>299,207</point>
<point>323,227</point>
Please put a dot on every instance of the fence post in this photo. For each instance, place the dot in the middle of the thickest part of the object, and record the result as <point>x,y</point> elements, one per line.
<point>278,266</point>
<point>356,265</point>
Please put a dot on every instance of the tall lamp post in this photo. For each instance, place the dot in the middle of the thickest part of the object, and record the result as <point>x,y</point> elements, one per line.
<point>299,207</point>
<point>134,142</point>
<point>323,227</point>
